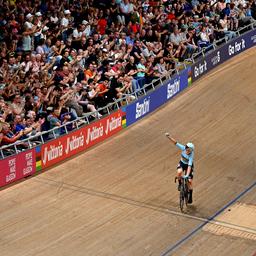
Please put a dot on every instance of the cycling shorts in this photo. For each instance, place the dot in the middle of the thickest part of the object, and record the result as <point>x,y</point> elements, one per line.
<point>184,167</point>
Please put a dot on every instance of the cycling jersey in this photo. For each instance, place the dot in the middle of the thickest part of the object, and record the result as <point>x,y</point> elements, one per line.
<point>185,158</point>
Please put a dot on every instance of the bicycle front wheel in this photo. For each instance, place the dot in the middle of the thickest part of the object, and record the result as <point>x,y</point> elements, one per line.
<point>182,198</point>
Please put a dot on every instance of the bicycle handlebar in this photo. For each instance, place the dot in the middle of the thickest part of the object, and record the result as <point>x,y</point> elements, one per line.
<point>183,177</point>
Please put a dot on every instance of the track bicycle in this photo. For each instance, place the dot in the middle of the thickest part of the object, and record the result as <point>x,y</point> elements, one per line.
<point>184,192</point>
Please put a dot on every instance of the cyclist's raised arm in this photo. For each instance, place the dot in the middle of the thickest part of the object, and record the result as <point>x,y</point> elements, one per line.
<point>175,142</point>
<point>180,146</point>
<point>171,139</point>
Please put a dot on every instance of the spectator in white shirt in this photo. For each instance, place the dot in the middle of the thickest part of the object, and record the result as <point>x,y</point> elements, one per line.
<point>78,32</point>
<point>87,26</point>
<point>178,39</point>
<point>126,8</point>
<point>204,40</point>
<point>54,17</point>
<point>65,25</point>
<point>39,25</point>
<point>28,24</point>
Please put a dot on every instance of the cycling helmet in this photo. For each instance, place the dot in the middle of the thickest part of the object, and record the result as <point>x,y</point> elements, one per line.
<point>190,145</point>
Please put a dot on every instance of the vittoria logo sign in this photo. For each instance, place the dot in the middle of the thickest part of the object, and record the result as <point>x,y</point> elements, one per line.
<point>52,151</point>
<point>77,141</point>
<point>104,128</point>
<point>74,142</point>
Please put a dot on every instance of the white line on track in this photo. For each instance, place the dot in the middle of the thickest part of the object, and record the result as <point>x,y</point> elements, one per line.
<point>131,201</point>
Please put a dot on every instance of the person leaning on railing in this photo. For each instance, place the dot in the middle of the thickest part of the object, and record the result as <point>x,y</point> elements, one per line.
<point>7,136</point>
<point>245,15</point>
<point>21,124</point>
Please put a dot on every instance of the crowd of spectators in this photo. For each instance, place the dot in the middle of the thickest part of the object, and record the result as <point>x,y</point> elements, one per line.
<point>60,59</point>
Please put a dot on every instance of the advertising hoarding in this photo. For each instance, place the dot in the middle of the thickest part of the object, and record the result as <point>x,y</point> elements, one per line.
<point>17,167</point>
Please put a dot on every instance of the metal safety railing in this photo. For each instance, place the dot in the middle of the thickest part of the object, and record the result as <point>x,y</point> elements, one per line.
<point>42,137</point>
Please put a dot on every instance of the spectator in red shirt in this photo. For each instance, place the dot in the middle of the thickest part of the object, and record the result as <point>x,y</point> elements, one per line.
<point>102,23</point>
<point>102,88</point>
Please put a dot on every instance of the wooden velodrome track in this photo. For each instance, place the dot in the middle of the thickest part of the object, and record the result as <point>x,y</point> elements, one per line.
<point>119,198</point>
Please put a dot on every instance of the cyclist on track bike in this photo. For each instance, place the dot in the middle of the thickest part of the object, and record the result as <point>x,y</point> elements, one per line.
<point>185,165</point>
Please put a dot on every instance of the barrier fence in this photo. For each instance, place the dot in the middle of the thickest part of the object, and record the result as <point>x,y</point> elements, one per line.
<point>44,153</point>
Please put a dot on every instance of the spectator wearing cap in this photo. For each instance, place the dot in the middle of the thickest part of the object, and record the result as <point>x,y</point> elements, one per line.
<point>27,36</point>
<point>87,28</point>
<point>29,18</point>
<point>39,25</point>
<point>65,24</point>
